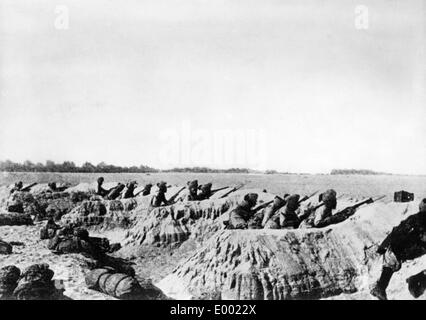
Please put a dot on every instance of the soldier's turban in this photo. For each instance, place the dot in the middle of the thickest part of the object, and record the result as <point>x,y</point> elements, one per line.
<point>162,186</point>
<point>206,187</point>
<point>293,201</point>
<point>251,198</point>
<point>329,195</point>
<point>193,184</point>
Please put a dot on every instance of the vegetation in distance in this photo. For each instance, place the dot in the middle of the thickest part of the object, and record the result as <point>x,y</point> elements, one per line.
<point>87,167</point>
<point>356,171</point>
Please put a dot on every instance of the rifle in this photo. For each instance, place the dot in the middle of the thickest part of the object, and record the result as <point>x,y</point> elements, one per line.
<point>356,206</point>
<point>307,197</point>
<point>232,190</point>
<point>261,206</point>
<point>217,190</point>
<point>143,190</point>
<point>27,188</point>
<point>346,213</point>
<point>309,211</point>
<point>172,199</point>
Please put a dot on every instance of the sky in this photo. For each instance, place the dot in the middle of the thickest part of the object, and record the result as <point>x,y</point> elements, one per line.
<point>295,86</point>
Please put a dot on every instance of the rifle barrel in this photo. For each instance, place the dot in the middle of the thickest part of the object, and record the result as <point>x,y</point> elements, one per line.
<point>263,205</point>
<point>176,194</point>
<point>28,187</point>
<point>307,197</point>
<point>232,190</point>
<point>219,189</point>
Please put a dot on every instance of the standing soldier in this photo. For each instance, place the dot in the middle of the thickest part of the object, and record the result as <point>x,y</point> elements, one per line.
<point>406,241</point>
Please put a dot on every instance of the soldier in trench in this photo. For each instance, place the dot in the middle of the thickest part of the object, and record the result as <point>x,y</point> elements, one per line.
<point>240,216</point>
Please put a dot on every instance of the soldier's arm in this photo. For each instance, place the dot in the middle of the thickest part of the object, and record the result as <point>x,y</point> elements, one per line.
<point>403,228</point>
<point>164,200</point>
<point>319,216</point>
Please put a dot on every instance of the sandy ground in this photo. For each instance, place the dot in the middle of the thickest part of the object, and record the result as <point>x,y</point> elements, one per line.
<point>151,263</point>
<point>70,268</point>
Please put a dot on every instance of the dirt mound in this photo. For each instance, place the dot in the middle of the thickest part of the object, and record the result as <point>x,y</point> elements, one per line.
<point>107,214</point>
<point>41,202</point>
<point>288,264</point>
<point>56,204</point>
<point>177,223</point>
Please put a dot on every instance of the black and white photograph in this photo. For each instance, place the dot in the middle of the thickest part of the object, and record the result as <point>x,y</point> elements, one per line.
<point>226,150</point>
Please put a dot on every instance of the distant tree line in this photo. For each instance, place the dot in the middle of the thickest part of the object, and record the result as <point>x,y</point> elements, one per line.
<point>354,171</point>
<point>69,166</point>
<point>271,172</point>
<point>208,170</point>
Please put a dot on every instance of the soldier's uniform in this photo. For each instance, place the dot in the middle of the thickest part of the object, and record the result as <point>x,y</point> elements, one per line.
<point>101,191</point>
<point>288,216</point>
<point>193,189</point>
<point>147,189</point>
<point>240,216</point>
<point>17,187</point>
<point>271,217</point>
<point>324,212</point>
<point>406,241</point>
<point>49,230</point>
<point>205,192</point>
<point>129,193</point>
<point>78,242</point>
<point>114,193</point>
<point>160,198</point>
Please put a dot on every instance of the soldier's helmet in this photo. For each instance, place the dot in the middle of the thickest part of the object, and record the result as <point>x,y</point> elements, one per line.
<point>148,186</point>
<point>422,205</point>
<point>162,186</point>
<point>100,180</point>
<point>251,198</point>
<point>19,185</point>
<point>293,202</point>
